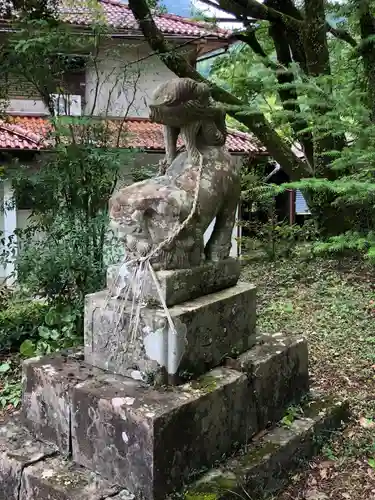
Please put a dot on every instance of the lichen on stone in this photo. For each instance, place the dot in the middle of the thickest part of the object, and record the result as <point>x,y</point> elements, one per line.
<point>206,383</point>
<point>200,496</point>
<point>258,453</point>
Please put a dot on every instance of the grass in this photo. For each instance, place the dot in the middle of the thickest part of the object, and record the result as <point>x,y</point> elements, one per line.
<point>10,383</point>
<point>331,303</point>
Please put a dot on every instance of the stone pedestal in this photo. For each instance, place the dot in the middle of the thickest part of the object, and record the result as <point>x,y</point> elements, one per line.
<point>181,285</point>
<point>146,411</point>
<point>208,328</point>
<point>151,441</point>
<point>99,424</point>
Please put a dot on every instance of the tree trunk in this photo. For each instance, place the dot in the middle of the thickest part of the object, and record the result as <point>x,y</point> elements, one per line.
<point>367,27</point>
<point>257,123</point>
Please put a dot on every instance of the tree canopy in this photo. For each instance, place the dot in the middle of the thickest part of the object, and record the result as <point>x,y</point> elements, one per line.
<point>301,76</point>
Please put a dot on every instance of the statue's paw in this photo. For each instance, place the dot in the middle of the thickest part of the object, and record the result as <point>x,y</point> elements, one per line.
<point>216,255</point>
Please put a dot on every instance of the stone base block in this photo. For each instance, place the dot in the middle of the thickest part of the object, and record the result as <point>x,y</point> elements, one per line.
<point>151,441</point>
<point>264,468</point>
<point>208,329</point>
<point>278,368</point>
<point>46,399</point>
<point>18,449</point>
<point>56,478</point>
<point>181,285</point>
<point>28,473</point>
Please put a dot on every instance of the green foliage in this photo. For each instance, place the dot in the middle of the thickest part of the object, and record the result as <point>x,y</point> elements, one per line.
<point>11,393</point>
<point>58,331</point>
<point>292,413</point>
<point>335,109</point>
<point>36,327</point>
<point>157,5</point>
<point>20,321</point>
<point>267,234</point>
<point>66,246</point>
<point>10,384</point>
<point>62,256</point>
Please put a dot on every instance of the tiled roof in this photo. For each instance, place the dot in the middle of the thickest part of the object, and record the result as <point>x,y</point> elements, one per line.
<point>14,136</point>
<point>119,16</point>
<point>24,132</point>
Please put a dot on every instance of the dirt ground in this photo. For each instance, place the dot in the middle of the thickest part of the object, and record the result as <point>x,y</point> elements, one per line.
<point>333,305</point>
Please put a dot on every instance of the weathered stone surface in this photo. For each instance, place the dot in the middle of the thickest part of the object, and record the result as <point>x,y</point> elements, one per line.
<point>185,108</point>
<point>18,449</point>
<point>278,368</point>
<point>46,399</point>
<point>123,495</point>
<point>148,215</point>
<point>57,479</point>
<point>208,329</point>
<point>265,466</point>
<point>150,441</point>
<point>180,285</point>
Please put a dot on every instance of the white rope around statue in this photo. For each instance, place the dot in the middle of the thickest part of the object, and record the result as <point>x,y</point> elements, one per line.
<point>183,225</point>
<point>141,268</point>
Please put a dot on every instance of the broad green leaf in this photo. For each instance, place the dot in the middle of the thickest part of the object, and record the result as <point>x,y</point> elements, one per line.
<point>27,349</point>
<point>4,367</point>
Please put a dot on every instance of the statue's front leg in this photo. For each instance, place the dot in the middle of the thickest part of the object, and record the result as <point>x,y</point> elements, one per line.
<point>189,136</point>
<point>219,245</point>
<point>170,141</point>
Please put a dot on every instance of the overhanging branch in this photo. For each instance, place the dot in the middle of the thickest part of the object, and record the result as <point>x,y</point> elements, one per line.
<point>257,123</point>
<point>342,35</point>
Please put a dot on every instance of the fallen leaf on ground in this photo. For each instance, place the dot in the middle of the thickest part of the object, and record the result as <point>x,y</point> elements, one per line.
<point>366,423</point>
<point>315,495</point>
<point>323,473</point>
<point>326,464</point>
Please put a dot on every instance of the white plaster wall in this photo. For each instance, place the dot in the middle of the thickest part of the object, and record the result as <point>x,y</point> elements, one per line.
<point>118,83</point>
<point>121,81</point>
<point>2,269</point>
<point>27,107</point>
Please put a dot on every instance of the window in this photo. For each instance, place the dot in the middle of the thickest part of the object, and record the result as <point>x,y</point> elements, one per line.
<point>301,205</point>
<point>67,104</point>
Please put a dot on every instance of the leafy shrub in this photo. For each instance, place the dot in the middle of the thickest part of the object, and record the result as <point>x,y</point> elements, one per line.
<point>58,331</point>
<point>20,321</point>
<point>38,328</point>
<point>266,234</point>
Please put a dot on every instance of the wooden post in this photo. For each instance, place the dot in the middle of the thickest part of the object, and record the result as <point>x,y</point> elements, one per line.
<point>292,206</point>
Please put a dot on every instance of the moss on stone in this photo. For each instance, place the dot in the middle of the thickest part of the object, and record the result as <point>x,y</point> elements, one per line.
<point>317,406</point>
<point>256,454</point>
<point>195,495</point>
<point>214,488</point>
<point>225,483</point>
<point>206,383</point>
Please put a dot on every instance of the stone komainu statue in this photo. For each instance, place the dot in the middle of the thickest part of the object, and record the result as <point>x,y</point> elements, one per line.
<point>185,107</point>
<point>148,213</point>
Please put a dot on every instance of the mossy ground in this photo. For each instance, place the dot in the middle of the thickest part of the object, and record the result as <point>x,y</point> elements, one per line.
<point>331,303</point>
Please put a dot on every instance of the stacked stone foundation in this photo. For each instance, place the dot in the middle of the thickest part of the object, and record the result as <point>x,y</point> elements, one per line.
<point>113,421</point>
